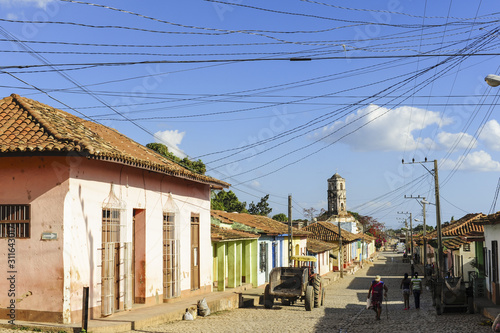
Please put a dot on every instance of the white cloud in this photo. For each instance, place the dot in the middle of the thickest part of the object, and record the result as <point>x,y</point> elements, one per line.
<point>37,3</point>
<point>385,130</point>
<point>255,184</point>
<point>456,140</point>
<point>171,139</point>
<point>476,161</point>
<point>491,135</point>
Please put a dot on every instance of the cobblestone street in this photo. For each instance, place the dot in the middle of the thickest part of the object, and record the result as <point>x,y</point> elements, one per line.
<point>344,310</point>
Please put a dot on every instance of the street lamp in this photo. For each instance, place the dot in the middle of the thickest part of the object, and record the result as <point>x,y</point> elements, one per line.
<point>493,80</point>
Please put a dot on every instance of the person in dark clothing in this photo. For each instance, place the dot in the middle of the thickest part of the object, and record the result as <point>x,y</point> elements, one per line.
<point>376,289</point>
<point>416,289</point>
<point>405,285</point>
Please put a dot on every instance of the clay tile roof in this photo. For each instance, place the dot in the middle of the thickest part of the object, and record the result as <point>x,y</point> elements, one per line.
<point>224,234</point>
<point>318,246</point>
<point>467,225</point>
<point>491,219</point>
<point>262,224</point>
<point>329,232</point>
<point>32,127</point>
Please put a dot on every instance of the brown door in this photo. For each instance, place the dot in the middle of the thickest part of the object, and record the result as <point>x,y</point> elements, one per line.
<point>195,252</point>
<point>117,276</point>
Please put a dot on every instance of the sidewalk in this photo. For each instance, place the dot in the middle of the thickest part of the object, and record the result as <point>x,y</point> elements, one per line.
<point>486,307</point>
<point>143,316</point>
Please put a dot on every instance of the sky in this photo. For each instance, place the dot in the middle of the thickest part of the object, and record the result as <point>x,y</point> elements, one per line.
<point>277,97</point>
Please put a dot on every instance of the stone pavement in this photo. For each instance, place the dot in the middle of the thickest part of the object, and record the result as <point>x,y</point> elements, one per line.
<point>144,316</point>
<point>147,316</point>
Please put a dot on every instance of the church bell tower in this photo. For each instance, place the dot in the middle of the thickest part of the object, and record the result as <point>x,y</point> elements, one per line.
<point>336,195</point>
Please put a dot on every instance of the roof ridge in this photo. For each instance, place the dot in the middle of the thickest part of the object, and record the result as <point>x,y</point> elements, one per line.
<point>47,126</point>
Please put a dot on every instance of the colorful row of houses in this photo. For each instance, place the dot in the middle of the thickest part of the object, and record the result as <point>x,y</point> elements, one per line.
<point>470,251</point>
<point>82,205</point>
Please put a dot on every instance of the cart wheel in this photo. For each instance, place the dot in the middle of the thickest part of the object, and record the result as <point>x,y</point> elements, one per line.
<point>470,305</point>
<point>317,285</point>
<point>309,298</point>
<point>268,298</point>
<point>323,295</point>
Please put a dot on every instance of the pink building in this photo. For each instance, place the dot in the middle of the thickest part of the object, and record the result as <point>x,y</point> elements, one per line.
<point>82,205</point>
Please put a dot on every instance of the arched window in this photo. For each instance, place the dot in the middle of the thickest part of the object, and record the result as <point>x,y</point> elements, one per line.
<point>341,186</point>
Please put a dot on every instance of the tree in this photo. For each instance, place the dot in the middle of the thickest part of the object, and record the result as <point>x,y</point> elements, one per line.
<point>196,166</point>
<point>373,228</point>
<point>309,213</point>
<point>261,208</point>
<point>280,217</point>
<point>420,228</point>
<point>227,201</point>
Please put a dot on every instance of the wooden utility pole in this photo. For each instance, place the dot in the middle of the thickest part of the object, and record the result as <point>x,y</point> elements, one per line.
<point>411,237</point>
<point>341,255</point>
<point>425,239</point>
<point>440,263</point>
<point>290,230</point>
<point>438,222</point>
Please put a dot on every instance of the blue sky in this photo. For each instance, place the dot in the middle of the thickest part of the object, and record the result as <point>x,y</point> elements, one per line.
<point>387,80</point>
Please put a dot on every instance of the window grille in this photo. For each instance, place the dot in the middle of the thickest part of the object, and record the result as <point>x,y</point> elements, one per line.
<point>14,221</point>
<point>467,247</point>
<point>263,257</point>
<point>108,267</point>
<point>116,257</point>
<point>127,277</point>
<point>171,250</point>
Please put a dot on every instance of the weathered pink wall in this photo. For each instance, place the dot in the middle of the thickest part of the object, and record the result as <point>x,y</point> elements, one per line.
<point>53,273</point>
<point>139,189</point>
<point>42,183</point>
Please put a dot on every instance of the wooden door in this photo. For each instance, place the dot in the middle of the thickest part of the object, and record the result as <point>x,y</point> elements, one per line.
<point>195,252</point>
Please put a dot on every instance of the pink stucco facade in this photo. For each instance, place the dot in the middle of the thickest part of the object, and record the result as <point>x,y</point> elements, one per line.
<point>66,196</point>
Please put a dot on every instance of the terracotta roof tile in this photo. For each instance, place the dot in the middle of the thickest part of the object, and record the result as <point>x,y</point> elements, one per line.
<point>224,234</point>
<point>263,224</point>
<point>317,246</point>
<point>28,125</point>
<point>329,232</point>
<point>466,225</point>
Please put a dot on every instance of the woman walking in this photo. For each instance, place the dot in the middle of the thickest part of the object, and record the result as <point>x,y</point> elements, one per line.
<point>405,285</point>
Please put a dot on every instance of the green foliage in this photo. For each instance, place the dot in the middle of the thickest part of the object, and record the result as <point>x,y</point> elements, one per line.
<point>227,201</point>
<point>373,228</point>
<point>196,166</point>
<point>261,208</point>
<point>280,217</point>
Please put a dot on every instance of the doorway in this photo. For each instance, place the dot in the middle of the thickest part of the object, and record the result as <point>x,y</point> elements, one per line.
<point>195,251</point>
<point>139,256</point>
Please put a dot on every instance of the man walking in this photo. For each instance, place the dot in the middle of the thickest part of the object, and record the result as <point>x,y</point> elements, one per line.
<point>416,289</point>
<point>376,289</point>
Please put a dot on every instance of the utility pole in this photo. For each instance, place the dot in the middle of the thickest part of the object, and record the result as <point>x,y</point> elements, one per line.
<point>440,263</point>
<point>411,234</point>
<point>362,245</point>
<point>341,255</point>
<point>425,239</point>
<point>438,221</point>
<point>290,230</point>
<point>423,203</point>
